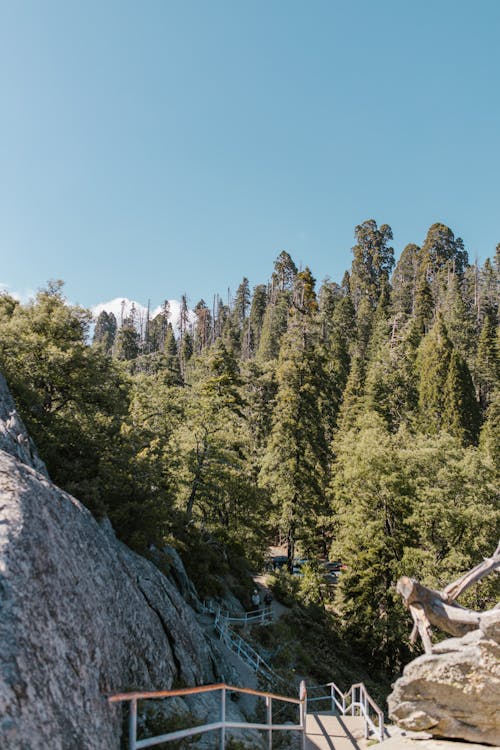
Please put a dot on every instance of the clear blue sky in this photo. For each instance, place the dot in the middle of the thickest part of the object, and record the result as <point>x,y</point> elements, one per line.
<point>151,148</point>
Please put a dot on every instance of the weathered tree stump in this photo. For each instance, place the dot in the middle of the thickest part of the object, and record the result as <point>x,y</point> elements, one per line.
<point>429,607</point>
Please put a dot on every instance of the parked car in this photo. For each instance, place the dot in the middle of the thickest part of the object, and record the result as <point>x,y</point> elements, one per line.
<point>334,566</point>
<point>298,563</point>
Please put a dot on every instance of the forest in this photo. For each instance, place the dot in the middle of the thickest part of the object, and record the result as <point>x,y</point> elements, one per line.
<point>358,421</point>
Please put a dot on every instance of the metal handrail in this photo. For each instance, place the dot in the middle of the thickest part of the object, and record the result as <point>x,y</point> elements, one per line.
<point>264,614</point>
<point>259,615</point>
<point>357,697</point>
<point>222,724</point>
<point>236,643</point>
<point>243,649</point>
<point>364,701</point>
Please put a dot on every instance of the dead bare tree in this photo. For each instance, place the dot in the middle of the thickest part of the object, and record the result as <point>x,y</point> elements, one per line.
<point>429,607</point>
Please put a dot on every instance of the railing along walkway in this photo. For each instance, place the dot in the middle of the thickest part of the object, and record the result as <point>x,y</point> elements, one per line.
<point>318,727</point>
<point>262,616</point>
<point>224,620</point>
<point>354,702</point>
<point>222,725</point>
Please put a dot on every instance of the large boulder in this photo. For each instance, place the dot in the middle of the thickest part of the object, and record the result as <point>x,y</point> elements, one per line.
<point>455,691</point>
<point>81,615</point>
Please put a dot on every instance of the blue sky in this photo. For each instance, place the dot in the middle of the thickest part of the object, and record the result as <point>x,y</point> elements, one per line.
<point>149,149</point>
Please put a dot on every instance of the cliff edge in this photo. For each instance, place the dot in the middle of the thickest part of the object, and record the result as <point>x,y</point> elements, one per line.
<point>81,615</point>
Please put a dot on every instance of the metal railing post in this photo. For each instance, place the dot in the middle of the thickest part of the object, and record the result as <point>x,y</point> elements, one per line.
<point>365,703</point>
<point>132,725</point>
<point>303,712</point>
<point>332,695</point>
<point>269,717</point>
<point>353,700</point>
<point>223,719</point>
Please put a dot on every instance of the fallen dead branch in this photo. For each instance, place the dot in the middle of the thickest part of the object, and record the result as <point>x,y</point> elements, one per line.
<point>438,608</point>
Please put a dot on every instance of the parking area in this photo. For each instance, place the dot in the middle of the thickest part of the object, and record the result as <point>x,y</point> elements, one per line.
<point>331,569</point>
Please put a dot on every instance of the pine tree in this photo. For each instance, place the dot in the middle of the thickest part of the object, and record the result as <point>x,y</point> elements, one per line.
<point>257,312</point>
<point>329,296</point>
<point>404,281</point>
<point>390,387</point>
<point>370,502</point>
<point>274,326</point>
<point>183,322</point>
<point>241,303</point>
<point>295,463</point>
<point>433,362</point>
<point>373,262</point>
<point>337,361</point>
<point>240,328</point>
<point>171,358</point>
<point>489,288</point>
<point>461,416</point>
<point>157,328</point>
<point>186,350</point>
<point>203,326</point>
<point>424,307</point>
<point>490,433</point>
<point>284,274</point>
<point>353,397</point>
<point>459,318</point>
<point>442,255</point>
<point>127,341</point>
<point>364,323</point>
<point>218,478</point>
<point>304,296</point>
<point>259,394</point>
<point>487,368</point>
<point>105,331</point>
<point>441,251</point>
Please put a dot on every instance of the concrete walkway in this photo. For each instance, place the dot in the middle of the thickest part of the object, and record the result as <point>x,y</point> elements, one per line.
<point>327,732</point>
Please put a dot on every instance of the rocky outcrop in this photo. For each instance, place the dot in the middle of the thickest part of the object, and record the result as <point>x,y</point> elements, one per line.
<point>179,577</point>
<point>454,691</point>
<point>81,615</point>
<point>14,438</point>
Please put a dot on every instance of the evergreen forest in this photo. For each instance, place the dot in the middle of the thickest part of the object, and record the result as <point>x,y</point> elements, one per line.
<point>356,421</point>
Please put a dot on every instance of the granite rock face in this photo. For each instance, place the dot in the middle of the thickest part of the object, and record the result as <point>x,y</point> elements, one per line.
<point>455,691</point>
<point>81,615</point>
<point>14,438</point>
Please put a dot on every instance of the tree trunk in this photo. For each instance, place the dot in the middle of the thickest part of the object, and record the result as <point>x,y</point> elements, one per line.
<point>200,460</point>
<point>429,607</point>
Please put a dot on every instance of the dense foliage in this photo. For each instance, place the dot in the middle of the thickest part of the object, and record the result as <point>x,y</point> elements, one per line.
<point>359,422</point>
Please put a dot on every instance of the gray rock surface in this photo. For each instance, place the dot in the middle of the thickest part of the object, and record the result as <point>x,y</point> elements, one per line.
<point>179,577</point>
<point>455,691</point>
<point>14,438</point>
<point>81,615</point>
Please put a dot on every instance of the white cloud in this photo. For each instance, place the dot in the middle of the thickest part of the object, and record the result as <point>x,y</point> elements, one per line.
<point>24,296</point>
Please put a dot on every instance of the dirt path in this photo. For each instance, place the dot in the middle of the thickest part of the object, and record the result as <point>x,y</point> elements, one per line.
<point>278,609</point>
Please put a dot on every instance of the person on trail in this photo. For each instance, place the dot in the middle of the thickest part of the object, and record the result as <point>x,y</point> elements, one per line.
<point>268,599</point>
<point>255,598</point>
